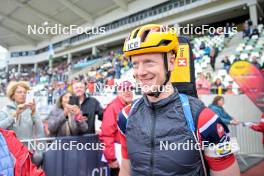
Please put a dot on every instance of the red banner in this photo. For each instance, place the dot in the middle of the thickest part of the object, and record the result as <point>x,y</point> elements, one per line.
<point>250,81</point>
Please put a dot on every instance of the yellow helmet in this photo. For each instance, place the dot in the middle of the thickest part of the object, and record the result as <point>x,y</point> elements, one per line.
<point>151,38</point>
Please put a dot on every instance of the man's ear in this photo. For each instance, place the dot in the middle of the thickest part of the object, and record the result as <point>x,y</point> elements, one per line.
<point>171,61</point>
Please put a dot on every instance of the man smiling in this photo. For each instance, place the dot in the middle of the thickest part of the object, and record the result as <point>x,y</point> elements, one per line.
<point>89,106</point>
<point>162,114</point>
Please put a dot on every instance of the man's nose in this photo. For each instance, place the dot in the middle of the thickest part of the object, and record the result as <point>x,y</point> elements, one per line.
<point>141,70</point>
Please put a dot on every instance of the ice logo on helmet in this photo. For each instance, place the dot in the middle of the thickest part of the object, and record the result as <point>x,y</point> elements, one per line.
<point>133,44</point>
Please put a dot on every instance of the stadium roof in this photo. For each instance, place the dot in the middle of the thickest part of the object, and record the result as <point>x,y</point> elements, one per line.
<point>16,15</point>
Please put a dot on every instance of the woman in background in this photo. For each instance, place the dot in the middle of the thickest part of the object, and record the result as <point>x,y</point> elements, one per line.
<point>62,120</point>
<point>19,115</point>
<point>218,107</point>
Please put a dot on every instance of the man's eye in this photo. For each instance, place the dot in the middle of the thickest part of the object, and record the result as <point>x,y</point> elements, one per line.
<point>149,62</point>
<point>135,65</point>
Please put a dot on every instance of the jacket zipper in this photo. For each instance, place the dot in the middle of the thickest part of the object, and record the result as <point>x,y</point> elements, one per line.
<point>152,142</point>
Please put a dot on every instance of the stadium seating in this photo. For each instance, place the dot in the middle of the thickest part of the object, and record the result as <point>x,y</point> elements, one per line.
<point>251,47</point>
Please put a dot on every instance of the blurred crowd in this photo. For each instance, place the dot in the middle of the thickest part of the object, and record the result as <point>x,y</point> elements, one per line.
<point>205,84</point>
<point>55,81</point>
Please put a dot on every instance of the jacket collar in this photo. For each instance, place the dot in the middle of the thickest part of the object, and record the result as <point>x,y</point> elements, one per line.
<point>161,103</point>
<point>217,106</point>
<point>12,105</point>
<point>85,98</point>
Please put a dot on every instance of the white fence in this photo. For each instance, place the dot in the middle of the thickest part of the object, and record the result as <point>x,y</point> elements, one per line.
<point>243,109</point>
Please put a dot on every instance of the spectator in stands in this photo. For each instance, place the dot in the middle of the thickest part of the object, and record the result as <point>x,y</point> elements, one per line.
<point>217,87</point>
<point>99,82</point>
<point>255,32</point>
<point>90,107</point>
<point>202,46</point>
<point>218,107</point>
<point>63,120</point>
<point>57,91</point>
<point>19,115</point>
<point>227,31</point>
<point>226,63</point>
<point>209,77</point>
<point>110,72</point>
<point>237,59</point>
<point>92,72</point>
<point>255,62</point>
<point>203,85</point>
<point>69,86</point>
<point>2,88</point>
<point>117,67</point>
<point>110,82</point>
<point>207,51</point>
<point>229,90</point>
<point>246,30</point>
<point>260,20</point>
<point>50,96</point>
<point>213,55</point>
<point>249,22</point>
<point>91,86</point>
<point>109,135</point>
<point>99,76</point>
<point>218,31</point>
